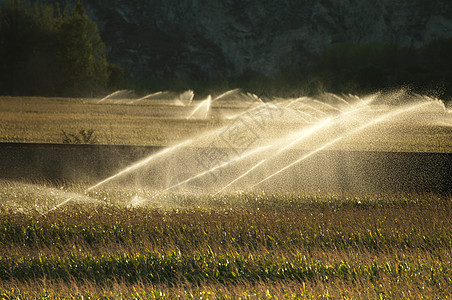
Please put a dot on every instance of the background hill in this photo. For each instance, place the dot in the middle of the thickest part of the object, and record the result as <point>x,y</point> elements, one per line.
<point>213,40</point>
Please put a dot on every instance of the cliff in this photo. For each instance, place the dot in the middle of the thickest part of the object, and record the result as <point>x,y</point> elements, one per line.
<point>210,38</point>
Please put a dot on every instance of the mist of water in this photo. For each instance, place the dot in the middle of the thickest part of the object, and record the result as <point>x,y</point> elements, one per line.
<point>229,163</point>
<point>202,110</point>
<point>322,123</point>
<point>259,143</point>
<point>149,96</point>
<point>226,94</point>
<point>140,164</point>
<point>113,95</point>
<point>324,146</point>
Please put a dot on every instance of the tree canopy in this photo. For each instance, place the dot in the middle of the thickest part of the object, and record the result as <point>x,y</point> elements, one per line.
<point>50,52</point>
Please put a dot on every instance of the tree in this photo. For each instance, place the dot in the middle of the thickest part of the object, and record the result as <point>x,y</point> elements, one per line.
<point>46,52</point>
<point>40,65</point>
<point>81,55</point>
<point>15,35</point>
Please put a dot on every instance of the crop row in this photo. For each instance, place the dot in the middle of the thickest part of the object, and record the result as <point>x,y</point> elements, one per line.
<point>174,267</point>
<point>250,237</point>
<point>257,231</point>
<point>242,243</point>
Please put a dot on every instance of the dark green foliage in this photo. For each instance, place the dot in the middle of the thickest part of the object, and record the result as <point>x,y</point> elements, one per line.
<point>45,50</point>
<point>342,68</point>
<point>81,54</point>
<point>373,66</point>
<point>48,52</point>
<point>365,65</point>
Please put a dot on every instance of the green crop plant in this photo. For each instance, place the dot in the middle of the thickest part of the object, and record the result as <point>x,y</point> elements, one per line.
<point>227,245</point>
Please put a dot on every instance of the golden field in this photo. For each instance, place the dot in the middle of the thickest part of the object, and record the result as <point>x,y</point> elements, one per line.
<point>68,241</point>
<point>41,120</point>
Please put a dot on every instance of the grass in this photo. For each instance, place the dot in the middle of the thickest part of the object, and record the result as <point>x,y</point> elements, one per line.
<point>223,246</point>
<point>35,119</point>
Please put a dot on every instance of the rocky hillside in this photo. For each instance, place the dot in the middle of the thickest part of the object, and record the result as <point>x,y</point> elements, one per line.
<point>208,38</point>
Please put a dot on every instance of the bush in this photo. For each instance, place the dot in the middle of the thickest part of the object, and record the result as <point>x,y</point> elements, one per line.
<point>82,136</point>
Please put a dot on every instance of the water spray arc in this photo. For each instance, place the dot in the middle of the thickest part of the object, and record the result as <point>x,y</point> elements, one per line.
<point>203,107</point>
<point>223,165</point>
<point>128,170</point>
<point>226,94</point>
<point>147,97</point>
<point>302,135</point>
<point>289,141</point>
<point>294,131</point>
<point>337,139</point>
<point>112,95</point>
<point>140,164</point>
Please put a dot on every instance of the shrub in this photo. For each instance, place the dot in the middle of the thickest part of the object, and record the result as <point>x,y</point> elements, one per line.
<point>82,136</point>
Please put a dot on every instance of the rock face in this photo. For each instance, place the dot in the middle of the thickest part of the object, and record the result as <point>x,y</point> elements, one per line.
<point>214,38</point>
